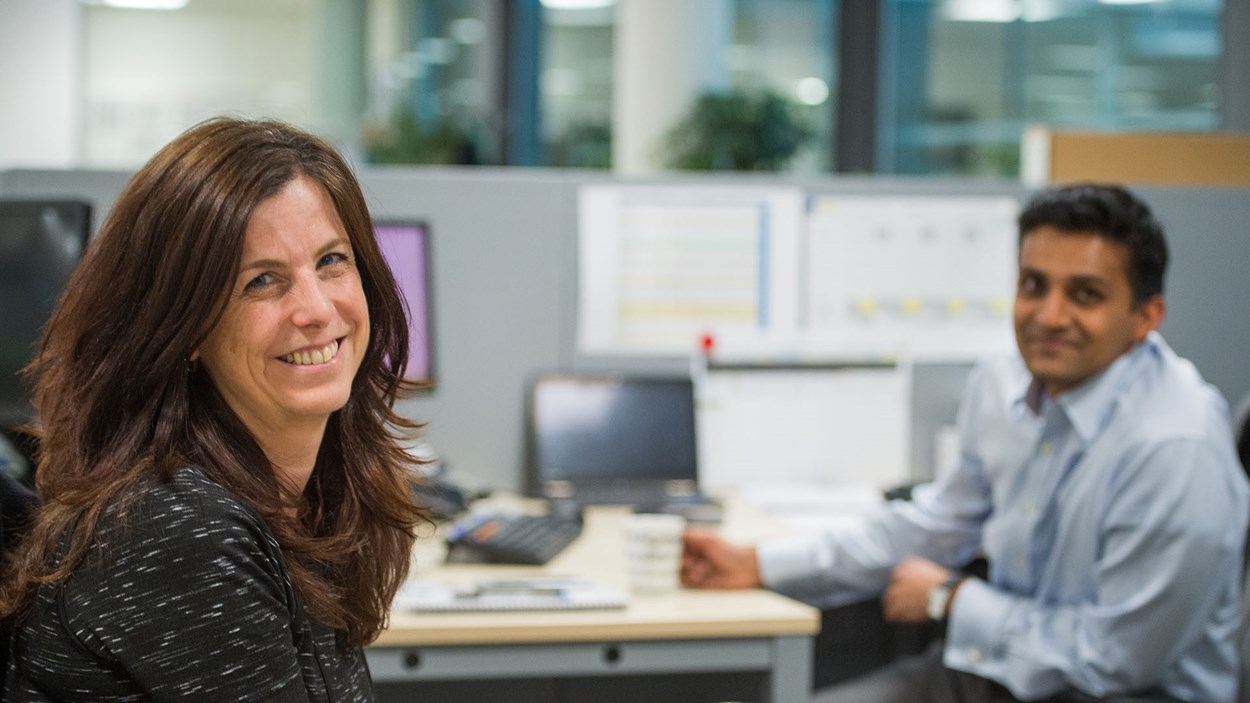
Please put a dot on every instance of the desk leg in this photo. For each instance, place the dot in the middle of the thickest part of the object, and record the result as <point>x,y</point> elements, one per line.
<point>790,680</point>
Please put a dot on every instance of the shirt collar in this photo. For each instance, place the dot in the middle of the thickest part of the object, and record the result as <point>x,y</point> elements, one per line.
<point>1088,405</point>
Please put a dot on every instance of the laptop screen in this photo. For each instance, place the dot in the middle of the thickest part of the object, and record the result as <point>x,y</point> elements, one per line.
<point>589,430</point>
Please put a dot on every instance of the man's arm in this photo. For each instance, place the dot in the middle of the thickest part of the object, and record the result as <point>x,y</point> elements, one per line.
<point>942,523</point>
<point>710,561</point>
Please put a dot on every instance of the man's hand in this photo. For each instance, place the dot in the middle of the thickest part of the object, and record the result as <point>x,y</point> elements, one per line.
<point>907,597</point>
<point>710,562</point>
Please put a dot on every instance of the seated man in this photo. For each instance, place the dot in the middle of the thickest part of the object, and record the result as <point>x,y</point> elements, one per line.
<point>1097,473</point>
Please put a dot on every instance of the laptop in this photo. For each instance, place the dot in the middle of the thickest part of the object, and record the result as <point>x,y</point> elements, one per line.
<point>615,439</point>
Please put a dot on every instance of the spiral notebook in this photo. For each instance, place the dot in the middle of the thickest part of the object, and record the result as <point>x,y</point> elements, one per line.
<point>540,593</point>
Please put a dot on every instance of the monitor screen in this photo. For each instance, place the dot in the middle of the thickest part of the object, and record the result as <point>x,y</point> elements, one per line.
<point>588,428</point>
<point>406,248</point>
<point>40,244</point>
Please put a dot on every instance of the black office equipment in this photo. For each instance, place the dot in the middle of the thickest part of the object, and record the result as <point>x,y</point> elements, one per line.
<point>613,439</point>
<point>511,539</point>
<point>443,499</point>
<point>41,242</point>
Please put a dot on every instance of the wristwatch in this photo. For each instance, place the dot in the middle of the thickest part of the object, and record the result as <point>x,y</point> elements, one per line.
<point>940,597</point>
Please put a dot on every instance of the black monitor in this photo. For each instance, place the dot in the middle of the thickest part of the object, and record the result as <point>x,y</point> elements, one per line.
<point>600,435</point>
<point>41,242</point>
<point>406,248</point>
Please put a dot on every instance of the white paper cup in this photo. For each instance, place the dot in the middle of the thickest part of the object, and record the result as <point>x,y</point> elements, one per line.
<point>653,551</point>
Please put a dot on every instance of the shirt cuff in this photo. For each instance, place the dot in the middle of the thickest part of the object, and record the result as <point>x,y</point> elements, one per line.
<point>787,563</point>
<point>976,634</point>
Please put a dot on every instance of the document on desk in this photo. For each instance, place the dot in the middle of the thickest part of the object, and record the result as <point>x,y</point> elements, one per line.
<point>539,593</point>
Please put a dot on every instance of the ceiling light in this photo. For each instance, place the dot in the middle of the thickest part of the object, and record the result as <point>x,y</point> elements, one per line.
<point>576,4</point>
<point>145,4</point>
<point>981,10</point>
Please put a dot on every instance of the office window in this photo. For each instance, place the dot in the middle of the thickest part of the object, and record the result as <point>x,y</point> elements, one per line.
<point>788,46</point>
<point>783,46</point>
<point>962,78</point>
<point>435,76</point>
<point>575,83</point>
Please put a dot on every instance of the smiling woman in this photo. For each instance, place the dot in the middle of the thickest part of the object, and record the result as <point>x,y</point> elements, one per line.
<point>295,327</point>
<point>227,510</point>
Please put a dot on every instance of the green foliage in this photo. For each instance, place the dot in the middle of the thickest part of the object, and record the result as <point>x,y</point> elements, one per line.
<point>403,141</point>
<point>742,130</point>
<point>585,145</point>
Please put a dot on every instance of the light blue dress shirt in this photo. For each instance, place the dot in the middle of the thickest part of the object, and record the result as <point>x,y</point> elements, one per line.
<point>1113,518</point>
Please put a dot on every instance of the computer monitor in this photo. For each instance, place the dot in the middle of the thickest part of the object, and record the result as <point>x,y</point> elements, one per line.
<point>41,242</point>
<point>406,248</point>
<point>612,438</point>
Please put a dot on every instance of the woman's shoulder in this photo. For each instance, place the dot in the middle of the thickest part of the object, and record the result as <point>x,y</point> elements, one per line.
<point>190,489</point>
<point>180,536</point>
<point>188,514</point>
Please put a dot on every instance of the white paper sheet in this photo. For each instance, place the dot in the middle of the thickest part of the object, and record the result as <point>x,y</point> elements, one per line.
<point>662,266</point>
<point>923,276</point>
<point>794,426</point>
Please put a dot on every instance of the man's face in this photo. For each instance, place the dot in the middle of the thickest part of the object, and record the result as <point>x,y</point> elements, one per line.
<point>1074,311</point>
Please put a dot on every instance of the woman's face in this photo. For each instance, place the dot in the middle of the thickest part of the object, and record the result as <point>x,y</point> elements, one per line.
<point>296,324</point>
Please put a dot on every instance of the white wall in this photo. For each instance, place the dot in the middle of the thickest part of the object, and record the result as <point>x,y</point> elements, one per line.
<point>151,74</point>
<point>40,79</point>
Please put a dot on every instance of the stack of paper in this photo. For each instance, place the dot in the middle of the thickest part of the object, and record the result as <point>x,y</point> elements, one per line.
<point>541,593</point>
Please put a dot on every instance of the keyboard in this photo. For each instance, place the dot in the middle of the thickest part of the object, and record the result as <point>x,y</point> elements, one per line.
<point>512,539</point>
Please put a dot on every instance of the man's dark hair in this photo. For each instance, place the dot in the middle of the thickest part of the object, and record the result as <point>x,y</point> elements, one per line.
<point>1108,211</point>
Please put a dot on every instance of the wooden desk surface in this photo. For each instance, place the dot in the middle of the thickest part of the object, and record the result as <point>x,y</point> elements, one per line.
<point>599,554</point>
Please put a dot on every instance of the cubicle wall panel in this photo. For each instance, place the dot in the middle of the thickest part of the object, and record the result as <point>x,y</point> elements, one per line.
<point>1208,282</point>
<point>499,246</point>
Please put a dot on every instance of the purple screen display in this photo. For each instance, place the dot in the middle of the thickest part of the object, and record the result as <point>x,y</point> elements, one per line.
<point>404,248</point>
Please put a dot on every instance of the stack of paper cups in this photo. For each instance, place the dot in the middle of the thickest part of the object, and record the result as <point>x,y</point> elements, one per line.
<point>653,547</point>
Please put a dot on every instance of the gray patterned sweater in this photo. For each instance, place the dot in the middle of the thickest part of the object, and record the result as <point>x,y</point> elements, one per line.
<point>190,602</point>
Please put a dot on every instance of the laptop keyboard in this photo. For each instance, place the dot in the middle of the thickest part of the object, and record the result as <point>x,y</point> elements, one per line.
<point>514,539</point>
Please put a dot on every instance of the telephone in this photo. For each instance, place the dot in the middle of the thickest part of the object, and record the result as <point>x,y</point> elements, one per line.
<point>442,498</point>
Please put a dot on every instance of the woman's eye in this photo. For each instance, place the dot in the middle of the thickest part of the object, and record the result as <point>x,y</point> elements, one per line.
<point>331,259</point>
<point>259,282</point>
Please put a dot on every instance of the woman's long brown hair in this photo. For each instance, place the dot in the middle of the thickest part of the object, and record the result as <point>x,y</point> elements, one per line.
<point>120,406</point>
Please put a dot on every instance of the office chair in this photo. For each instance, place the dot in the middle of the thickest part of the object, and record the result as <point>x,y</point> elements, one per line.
<point>17,507</point>
<point>1241,432</point>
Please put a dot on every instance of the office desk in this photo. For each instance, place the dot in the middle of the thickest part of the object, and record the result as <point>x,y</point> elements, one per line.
<point>684,633</point>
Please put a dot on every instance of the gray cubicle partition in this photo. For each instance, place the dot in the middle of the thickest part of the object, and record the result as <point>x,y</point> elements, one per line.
<point>505,275</point>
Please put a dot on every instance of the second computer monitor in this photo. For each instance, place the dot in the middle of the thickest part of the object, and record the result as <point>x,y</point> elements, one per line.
<point>40,244</point>
<point>612,438</point>
<point>406,248</point>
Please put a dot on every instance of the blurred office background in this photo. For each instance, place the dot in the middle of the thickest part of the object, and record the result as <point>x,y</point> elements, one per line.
<point>907,87</point>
